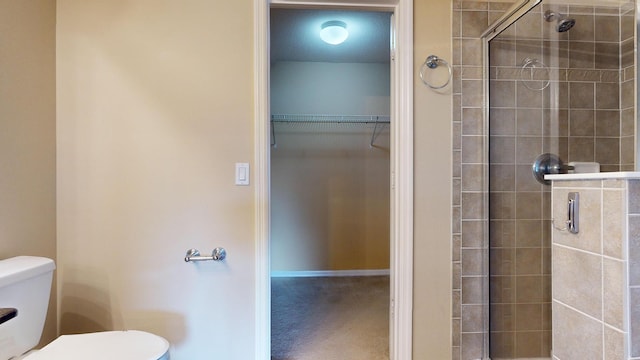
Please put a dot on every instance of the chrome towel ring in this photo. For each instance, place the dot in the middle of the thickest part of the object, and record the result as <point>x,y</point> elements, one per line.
<point>432,62</point>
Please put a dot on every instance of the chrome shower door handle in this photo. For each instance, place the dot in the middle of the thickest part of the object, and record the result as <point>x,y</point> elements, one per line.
<point>218,254</point>
<point>573,215</point>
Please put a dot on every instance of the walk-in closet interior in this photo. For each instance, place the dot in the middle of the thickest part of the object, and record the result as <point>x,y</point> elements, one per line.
<point>560,79</point>
<point>330,178</point>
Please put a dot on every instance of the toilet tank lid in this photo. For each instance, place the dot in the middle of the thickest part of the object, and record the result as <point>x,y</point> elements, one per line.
<point>20,268</point>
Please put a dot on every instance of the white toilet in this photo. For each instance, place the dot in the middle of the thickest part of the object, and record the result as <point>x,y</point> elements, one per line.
<point>25,285</point>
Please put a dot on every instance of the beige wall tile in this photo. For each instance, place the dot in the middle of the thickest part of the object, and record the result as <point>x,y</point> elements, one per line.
<point>472,121</point>
<point>472,261</point>
<point>471,345</point>
<point>502,289</point>
<point>528,317</point>
<point>503,93</point>
<point>503,177</point>
<point>529,233</point>
<point>475,23</point>
<point>455,219</point>
<point>575,336</point>
<point>614,184</point>
<point>472,290</point>
<point>472,93</point>
<point>502,205</point>
<point>528,344</point>
<point>577,280</point>
<point>581,149</point>
<point>472,205</point>
<point>607,96</point>
<point>526,97</point>
<point>529,122</point>
<point>634,320</point>
<point>530,289</point>
<point>527,149</point>
<point>528,205</point>
<point>502,150</point>
<point>614,346</point>
<point>633,243</point>
<point>456,328</point>
<point>502,234</point>
<point>581,95</point>
<point>582,122</point>
<point>472,149</point>
<point>613,213</point>
<point>590,220</point>
<point>472,233</point>
<point>456,275</point>
<point>503,121</point>
<point>503,345</point>
<point>456,241</point>
<point>472,177</point>
<point>502,261</point>
<point>471,318</point>
<point>456,195</point>
<point>529,261</point>
<point>614,285</point>
<point>471,52</point>
<point>634,196</point>
<point>577,184</point>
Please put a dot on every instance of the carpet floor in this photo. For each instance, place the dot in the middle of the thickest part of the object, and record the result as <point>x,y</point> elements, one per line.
<point>330,318</point>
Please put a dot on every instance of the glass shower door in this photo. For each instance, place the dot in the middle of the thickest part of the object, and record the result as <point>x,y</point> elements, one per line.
<point>560,93</point>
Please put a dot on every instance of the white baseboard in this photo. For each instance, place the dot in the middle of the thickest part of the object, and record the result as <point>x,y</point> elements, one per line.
<point>328,273</point>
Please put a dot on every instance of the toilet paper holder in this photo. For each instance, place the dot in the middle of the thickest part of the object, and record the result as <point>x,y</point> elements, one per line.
<point>218,254</point>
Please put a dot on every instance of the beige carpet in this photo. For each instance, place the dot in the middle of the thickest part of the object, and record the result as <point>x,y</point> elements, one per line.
<point>330,318</point>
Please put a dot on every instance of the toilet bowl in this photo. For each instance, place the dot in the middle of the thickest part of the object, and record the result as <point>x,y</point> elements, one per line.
<point>25,284</point>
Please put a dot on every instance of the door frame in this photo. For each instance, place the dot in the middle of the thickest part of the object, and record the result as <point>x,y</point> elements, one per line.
<point>401,174</point>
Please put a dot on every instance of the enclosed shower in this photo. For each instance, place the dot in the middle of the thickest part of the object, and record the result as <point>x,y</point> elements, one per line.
<point>560,79</point>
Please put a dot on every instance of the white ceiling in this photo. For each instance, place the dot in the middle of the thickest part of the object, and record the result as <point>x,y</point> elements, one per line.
<point>295,36</point>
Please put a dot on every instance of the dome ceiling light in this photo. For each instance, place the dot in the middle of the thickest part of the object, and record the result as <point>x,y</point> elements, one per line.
<point>334,32</point>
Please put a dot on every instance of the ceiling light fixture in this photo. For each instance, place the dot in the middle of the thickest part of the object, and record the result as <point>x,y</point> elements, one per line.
<point>334,32</point>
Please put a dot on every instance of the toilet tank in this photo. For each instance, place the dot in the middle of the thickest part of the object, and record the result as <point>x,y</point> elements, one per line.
<point>25,284</point>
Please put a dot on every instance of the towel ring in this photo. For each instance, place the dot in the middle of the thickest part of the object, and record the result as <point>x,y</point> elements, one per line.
<point>433,62</point>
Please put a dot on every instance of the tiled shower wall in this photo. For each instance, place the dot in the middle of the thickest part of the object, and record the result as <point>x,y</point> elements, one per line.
<point>597,270</point>
<point>583,113</point>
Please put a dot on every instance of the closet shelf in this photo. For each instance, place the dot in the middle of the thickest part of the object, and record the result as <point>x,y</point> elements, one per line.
<point>338,119</point>
<point>378,120</point>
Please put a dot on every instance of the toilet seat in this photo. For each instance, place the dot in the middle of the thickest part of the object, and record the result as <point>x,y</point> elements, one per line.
<point>108,345</point>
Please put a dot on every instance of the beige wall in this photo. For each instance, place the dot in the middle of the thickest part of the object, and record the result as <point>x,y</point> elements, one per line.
<point>432,244</point>
<point>329,187</point>
<point>27,133</point>
<point>329,198</point>
<point>154,108</point>
<point>152,114</point>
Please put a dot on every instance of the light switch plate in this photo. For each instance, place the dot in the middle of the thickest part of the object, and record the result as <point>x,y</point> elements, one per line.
<point>242,174</point>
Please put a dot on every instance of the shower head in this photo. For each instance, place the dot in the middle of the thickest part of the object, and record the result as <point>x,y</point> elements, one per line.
<point>564,23</point>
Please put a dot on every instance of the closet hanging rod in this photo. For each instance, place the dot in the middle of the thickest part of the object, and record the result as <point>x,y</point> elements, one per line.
<point>351,119</point>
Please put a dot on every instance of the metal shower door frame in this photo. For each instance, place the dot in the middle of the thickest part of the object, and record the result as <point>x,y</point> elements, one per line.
<point>512,15</point>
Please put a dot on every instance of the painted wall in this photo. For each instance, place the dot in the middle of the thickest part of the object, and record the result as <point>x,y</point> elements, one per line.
<point>27,134</point>
<point>154,108</point>
<point>329,88</point>
<point>152,114</point>
<point>329,188</point>
<point>432,187</point>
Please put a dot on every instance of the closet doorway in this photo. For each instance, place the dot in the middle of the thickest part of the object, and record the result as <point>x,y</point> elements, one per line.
<point>330,184</point>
